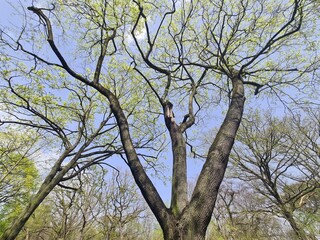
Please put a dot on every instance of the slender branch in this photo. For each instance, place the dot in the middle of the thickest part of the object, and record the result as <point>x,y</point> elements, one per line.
<point>53,46</point>
<point>277,36</point>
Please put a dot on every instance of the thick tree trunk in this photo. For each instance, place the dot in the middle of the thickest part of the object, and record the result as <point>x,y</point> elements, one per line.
<point>194,219</point>
<point>179,173</point>
<point>148,190</point>
<point>179,195</point>
<point>183,229</point>
<point>205,194</point>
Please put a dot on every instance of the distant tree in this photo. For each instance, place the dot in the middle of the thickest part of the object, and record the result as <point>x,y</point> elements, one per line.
<point>71,129</point>
<point>239,215</point>
<point>307,212</point>
<point>121,208</point>
<point>93,207</point>
<point>278,158</point>
<point>18,175</point>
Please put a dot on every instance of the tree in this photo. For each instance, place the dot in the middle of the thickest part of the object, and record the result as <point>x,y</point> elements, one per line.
<point>18,175</point>
<point>190,56</point>
<point>78,132</point>
<point>279,164</point>
<point>121,206</point>
<point>240,214</point>
<point>98,207</point>
<point>308,213</point>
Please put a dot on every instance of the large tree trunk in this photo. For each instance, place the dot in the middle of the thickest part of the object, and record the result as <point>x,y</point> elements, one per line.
<point>192,222</point>
<point>205,194</point>
<point>185,229</point>
<point>179,195</point>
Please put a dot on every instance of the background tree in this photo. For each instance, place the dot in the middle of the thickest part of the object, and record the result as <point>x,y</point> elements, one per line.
<point>276,162</point>
<point>239,215</point>
<point>190,56</point>
<point>70,126</point>
<point>98,207</point>
<point>18,174</point>
<point>122,210</point>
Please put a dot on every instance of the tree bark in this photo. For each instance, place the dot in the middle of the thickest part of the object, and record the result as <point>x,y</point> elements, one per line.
<point>192,223</point>
<point>149,192</point>
<point>179,194</point>
<point>206,190</point>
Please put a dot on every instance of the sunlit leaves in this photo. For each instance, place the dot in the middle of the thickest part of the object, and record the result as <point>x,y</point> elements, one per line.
<point>18,174</point>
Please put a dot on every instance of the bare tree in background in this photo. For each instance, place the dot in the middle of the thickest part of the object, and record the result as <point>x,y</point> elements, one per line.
<point>279,164</point>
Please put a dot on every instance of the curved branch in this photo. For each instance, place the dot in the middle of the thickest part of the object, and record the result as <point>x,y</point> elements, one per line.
<point>277,36</point>
<point>53,46</point>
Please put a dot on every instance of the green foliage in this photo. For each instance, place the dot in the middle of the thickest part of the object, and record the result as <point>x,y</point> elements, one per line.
<point>143,53</point>
<point>100,207</point>
<point>18,177</point>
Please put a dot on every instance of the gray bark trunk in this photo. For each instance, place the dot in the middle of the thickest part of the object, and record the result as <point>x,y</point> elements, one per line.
<point>192,223</point>
<point>179,195</point>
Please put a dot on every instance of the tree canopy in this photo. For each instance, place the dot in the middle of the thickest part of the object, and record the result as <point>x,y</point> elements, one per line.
<point>99,79</point>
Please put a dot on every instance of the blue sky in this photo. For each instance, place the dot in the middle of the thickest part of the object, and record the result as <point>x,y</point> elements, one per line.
<point>9,18</point>
<point>194,166</point>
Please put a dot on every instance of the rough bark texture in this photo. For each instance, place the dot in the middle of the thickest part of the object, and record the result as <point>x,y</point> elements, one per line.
<point>192,223</point>
<point>144,183</point>
<point>179,171</point>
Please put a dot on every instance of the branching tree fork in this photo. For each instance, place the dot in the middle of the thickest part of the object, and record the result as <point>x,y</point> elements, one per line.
<point>189,51</point>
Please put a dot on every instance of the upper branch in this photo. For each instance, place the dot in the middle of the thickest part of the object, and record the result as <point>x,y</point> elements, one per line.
<point>257,85</point>
<point>297,12</point>
<point>53,46</point>
<point>151,43</point>
<point>103,51</point>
